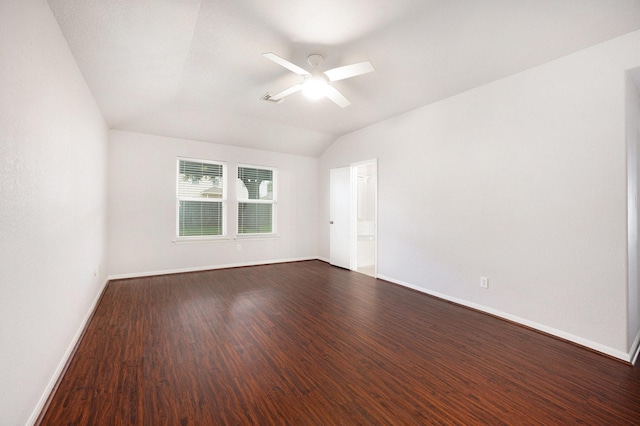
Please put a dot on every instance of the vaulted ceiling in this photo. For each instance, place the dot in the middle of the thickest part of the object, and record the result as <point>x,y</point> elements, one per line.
<point>194,69</point>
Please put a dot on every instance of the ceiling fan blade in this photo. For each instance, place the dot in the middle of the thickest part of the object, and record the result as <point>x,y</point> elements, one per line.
<point>290,91</point>
<point>347,71</point>
<point>288,65</point>
<point>337,97</point>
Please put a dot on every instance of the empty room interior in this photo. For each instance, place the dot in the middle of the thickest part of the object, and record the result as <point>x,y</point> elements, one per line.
<point>319,212</point>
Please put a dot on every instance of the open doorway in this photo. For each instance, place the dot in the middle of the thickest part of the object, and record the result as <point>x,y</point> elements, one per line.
<point>364,181</point>
<point>353,239</point>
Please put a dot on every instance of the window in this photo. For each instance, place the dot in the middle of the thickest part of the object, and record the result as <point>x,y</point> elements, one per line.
<point>256,193</point>
<point>201,198</point>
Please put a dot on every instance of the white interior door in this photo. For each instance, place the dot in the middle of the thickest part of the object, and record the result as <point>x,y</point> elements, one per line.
<point>340,217</point>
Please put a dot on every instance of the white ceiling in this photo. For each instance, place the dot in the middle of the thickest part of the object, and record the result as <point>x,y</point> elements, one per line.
<point>194,69</point>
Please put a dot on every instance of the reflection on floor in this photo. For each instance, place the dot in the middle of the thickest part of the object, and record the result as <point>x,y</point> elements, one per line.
<point>367,270</point>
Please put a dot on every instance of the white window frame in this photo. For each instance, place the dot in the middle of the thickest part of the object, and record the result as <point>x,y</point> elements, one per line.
<point>272,202</point>
<point>222,201</point>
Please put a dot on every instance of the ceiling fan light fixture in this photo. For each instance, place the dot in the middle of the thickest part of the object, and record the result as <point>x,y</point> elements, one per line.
<point>314,88</point>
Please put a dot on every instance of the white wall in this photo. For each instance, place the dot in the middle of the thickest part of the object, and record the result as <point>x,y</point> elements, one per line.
<point>52,215</point>
<point>142,207</point>
<point>522,180</point>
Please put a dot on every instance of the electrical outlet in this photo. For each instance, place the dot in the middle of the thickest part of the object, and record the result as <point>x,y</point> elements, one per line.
<point>238,247</point>
<point>484,282</point>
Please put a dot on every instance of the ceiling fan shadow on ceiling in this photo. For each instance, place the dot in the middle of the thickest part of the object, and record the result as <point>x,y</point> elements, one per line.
<point>316,84</point>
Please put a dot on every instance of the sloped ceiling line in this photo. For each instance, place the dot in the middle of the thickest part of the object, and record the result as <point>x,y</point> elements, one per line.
<point>193,69</point>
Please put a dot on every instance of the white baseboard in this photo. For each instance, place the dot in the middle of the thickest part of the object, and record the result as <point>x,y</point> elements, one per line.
<point>65,358</point>
<point>207,268</point>
<point>541,327</point>
<point>635,350</point>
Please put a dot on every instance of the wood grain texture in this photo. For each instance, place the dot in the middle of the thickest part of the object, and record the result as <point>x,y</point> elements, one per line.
<point>309,344</point>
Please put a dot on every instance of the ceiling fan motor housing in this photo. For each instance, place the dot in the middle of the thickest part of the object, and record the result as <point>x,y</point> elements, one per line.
<point>315,60</point>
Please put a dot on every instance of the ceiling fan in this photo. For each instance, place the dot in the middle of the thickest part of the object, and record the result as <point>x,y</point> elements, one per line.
<point>316,84</point>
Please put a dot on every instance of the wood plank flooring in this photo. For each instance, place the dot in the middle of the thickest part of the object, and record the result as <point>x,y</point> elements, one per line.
<point>309,344</point>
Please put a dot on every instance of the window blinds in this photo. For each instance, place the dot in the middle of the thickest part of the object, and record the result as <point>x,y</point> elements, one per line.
<point>201,198</point>
<point>255,191</point>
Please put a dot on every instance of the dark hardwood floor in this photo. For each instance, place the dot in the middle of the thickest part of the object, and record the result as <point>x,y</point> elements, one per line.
<point>309,344</point>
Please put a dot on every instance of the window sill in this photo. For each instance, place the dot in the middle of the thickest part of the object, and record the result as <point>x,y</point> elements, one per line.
<point>192,240</point>
<point>256,237</point>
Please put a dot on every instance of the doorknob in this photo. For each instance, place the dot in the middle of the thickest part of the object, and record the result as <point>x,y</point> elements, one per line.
<point>330,222</point>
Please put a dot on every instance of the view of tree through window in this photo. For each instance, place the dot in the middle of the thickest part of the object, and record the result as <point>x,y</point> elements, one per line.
<point>201,198</point>
<point>256,200</point>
